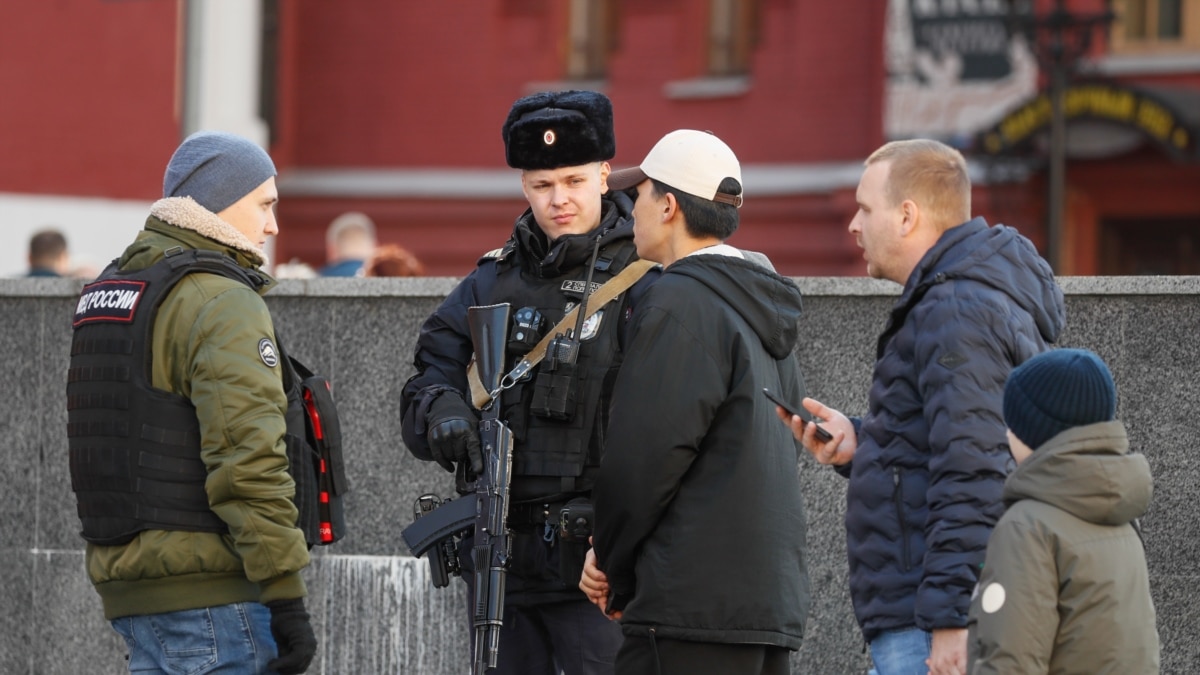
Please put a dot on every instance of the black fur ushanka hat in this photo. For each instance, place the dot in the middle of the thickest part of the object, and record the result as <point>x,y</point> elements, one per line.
<point>553,129</point>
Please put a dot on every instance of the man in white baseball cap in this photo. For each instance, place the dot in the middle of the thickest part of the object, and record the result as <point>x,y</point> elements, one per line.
<point>692,463</point>
<point>693,161</point>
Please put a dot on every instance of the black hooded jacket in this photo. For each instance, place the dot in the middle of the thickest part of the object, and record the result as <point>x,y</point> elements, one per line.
<point>700,524</point>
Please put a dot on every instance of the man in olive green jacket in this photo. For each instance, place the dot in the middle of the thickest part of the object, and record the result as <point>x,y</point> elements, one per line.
<point>228,594</point>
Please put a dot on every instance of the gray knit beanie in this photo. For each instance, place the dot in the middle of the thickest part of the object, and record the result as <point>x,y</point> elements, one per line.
<point>216,169</point>
<point>1057,390</point>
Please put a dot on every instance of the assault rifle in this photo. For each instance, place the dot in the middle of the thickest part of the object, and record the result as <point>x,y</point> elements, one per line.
<point>439,524</point>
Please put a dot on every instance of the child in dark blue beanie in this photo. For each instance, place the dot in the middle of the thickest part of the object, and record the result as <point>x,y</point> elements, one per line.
<point>1055,391</point>
<point>1065,587</point>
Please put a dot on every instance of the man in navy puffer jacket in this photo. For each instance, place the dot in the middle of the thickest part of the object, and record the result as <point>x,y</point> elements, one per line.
<point>928,461</point>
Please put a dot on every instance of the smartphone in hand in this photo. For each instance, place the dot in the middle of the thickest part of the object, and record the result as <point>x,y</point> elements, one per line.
<point>798,410</point>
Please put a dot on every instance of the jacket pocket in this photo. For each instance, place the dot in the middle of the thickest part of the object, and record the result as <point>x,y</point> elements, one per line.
<point>898,502</point>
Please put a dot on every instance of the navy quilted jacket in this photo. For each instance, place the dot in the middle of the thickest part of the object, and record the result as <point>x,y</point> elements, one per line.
<point>927,476</point>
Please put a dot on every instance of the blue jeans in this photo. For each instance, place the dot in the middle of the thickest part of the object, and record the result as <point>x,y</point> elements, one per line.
<point>229,639</point>
<point>901,652</point>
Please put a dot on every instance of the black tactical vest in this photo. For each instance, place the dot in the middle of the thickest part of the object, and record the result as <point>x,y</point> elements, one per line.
<point>134,449</point>
<point>563,452</point>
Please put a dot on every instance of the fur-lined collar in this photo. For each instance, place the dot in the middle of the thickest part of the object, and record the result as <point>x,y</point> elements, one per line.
<point>185,213</point>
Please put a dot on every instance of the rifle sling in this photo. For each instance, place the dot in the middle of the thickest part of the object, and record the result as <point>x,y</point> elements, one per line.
<point>603,295</point>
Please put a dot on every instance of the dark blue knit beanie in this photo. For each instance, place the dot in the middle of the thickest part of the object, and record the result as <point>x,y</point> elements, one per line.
<point>1055,391</point>
<point>216,169</point>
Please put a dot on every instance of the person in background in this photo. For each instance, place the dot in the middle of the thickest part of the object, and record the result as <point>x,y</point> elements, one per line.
<point>349,242</point>
<point>48,255</point>
<point>391,260</point>
<point>927,462</point>
<point>1065,587</point>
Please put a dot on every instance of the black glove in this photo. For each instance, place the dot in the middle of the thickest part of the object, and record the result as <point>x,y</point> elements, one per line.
<point>453,434</point>
<point>293,636</point>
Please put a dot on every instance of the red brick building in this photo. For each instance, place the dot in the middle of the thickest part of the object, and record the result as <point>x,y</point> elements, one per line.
<point>394,107</point>
<point>1132,140</point>
<point>398,113</point>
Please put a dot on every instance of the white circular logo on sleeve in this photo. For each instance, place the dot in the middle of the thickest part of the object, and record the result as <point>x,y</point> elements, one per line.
<point>266,351</point>
<point>993,598</point>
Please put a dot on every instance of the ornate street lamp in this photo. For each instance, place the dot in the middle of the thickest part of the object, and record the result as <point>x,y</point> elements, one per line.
<point>1060,39</point>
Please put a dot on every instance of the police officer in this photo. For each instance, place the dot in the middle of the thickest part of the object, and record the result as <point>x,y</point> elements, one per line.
<point>561,142</point>
<point>177,430</point>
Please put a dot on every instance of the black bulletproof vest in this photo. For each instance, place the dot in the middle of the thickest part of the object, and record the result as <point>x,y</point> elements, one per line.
<point>551,448</point>
<point>134,449</point>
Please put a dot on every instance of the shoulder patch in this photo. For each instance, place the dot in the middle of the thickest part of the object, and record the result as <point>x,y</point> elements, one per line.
<point>266,352</point>
<point>498,253</point>
<point>114,301</point>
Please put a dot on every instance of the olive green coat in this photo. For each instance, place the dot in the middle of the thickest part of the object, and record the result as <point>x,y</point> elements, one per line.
<point>1065,589</point>
<point>206,348</point>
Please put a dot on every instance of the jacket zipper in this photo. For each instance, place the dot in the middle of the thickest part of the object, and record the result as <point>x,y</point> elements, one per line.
<point>898,500</point>
<point>654,648</point>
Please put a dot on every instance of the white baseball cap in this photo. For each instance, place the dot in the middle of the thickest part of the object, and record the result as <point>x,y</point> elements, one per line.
<point>692,161</point>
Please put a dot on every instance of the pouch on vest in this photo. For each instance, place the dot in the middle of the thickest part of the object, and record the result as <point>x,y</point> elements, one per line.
<point>315,457</point>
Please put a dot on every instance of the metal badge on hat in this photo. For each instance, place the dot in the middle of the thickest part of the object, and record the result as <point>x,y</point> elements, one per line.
<point>549,138</point>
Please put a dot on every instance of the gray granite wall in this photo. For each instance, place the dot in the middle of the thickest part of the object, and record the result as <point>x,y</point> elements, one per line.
<point>373,605</point>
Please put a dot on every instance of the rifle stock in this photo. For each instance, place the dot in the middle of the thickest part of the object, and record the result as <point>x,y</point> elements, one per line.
<point>489,331</point>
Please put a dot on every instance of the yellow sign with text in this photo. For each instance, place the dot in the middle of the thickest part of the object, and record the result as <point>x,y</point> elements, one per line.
<point>1097,101</point>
